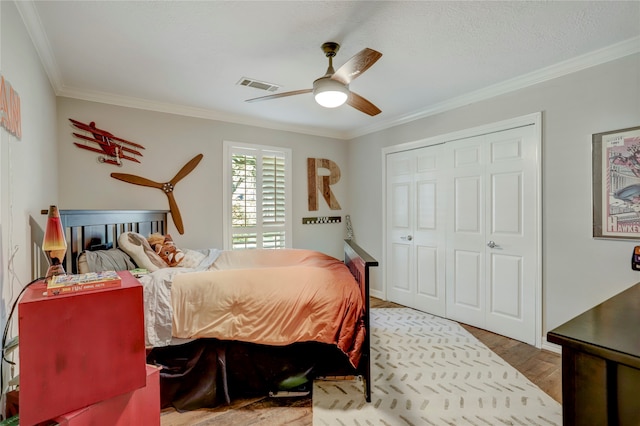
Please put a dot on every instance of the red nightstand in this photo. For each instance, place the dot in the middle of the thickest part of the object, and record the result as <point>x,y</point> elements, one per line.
<point>79,349</point>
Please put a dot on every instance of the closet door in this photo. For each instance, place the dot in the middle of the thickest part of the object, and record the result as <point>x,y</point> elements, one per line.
<point>465,251</point>
<point>492,259</point>
<point>416,232</point>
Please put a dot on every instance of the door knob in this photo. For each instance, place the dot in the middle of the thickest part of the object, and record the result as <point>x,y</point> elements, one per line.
<point>491,244</point>
<point>408,238</point>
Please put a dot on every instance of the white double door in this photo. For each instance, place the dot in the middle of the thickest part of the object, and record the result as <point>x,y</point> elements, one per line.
<point>462,231</point>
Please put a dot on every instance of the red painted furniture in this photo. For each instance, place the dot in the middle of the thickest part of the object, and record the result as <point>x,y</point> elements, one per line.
<point>79,349</point>
<point>140,407</point>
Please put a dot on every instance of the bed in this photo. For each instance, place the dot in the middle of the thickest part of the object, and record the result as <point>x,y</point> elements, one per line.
<point>239,323</point>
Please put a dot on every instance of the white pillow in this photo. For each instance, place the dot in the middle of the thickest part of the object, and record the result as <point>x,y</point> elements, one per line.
<point>192,258</point>
<point>137,246</point>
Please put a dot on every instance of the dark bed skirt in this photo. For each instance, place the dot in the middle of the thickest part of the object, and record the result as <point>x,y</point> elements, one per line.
<point>209,372</point>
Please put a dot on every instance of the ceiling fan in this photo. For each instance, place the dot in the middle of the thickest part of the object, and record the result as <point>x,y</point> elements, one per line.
<point>332,89</point>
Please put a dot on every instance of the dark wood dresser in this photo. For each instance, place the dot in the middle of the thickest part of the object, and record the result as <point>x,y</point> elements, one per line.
<point>601,363</point>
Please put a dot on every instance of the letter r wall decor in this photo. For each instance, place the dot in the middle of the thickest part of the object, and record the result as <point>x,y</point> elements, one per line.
<point>317,182</point>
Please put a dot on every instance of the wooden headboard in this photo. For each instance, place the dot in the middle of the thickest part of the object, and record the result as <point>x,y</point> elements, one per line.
<point>93,230</point>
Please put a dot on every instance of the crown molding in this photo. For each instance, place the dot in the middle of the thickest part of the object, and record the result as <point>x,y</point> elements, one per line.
<point>587,60</point>
<point>34,27</point>
<point>169,108</point>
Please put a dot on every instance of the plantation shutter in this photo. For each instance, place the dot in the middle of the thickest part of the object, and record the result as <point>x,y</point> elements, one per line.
<point>259,201</point>
<point>273,201</point>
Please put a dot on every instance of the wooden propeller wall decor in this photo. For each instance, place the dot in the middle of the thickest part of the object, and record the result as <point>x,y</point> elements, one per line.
<point>166,187</point>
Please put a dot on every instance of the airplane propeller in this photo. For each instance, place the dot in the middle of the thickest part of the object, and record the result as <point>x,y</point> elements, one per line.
<point>166,187</point>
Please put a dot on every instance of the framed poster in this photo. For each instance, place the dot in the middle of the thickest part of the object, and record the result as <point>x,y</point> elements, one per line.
<point>616,184</point>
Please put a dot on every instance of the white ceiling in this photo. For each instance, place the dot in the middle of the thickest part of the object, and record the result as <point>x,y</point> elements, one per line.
<point>186,57</point>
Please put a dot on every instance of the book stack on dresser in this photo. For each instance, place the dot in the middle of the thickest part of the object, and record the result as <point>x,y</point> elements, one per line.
<point>82,357</point>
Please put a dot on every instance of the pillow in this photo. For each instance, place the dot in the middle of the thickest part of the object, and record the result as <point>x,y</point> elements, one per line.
<point>136,246</point>
<point>192,258</point>
<point>164,247</point>
<point>104,260</point>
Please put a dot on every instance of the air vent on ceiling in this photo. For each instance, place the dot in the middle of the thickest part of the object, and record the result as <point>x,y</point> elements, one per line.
<point>262,85</point>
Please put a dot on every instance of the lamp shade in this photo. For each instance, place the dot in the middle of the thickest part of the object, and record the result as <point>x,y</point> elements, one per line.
<point>330,93</point>
<point>54,244</point>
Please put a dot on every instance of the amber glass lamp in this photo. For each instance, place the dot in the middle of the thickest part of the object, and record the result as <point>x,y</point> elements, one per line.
<point>54,244</point>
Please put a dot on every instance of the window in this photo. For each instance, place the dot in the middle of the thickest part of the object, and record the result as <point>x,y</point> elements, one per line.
<point>257,196</point>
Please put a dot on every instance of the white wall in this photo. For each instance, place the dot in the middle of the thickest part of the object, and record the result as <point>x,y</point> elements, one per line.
<point>578,271</point>
<point>171,141</point>
<point>28,166</point>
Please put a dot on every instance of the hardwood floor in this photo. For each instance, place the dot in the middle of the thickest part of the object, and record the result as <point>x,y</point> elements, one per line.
<point>541,367</point>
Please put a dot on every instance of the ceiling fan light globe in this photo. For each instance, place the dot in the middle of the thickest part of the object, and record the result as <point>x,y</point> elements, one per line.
<point>331,99</point>
<point>330,93</point>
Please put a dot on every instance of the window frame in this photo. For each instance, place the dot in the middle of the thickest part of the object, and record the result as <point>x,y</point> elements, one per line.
<point>229,149</point>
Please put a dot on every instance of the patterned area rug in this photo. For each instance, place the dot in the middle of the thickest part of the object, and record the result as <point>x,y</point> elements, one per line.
<point>428,370</point>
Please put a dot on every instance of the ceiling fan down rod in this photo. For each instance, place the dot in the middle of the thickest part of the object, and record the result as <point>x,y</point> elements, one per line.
<point>330,49</point>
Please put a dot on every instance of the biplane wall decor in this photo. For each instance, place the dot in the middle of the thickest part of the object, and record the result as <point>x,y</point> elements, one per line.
<point>318,182</point>
<point>112,148</point>
<point>166,187</point>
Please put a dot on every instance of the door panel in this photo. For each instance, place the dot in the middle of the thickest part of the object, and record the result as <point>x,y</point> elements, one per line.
<point>494,199</point>
<point>465,287</point>
<point>506,286</point>
<point>507,195</point>
<point>466,155</point>
<point>401,204</point>
<point>414,202</point>
<point>429,231</point>
<point>400,211</point>
<point>427,206</point>
<point>427,276</point>
<point>400,273</point>
<point>400,268</point>
<point>468,205</point>
<point>512,214</point>
<point>465,284</point>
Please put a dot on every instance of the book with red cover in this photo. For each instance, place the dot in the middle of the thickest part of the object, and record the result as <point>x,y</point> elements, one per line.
<point>63,284</point>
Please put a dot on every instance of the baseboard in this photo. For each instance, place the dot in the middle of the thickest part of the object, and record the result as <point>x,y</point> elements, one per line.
<point>551,347</point>
<point>377,294</point>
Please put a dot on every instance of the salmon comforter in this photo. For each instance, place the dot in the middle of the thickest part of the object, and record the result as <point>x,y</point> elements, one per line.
<point>269,297</point>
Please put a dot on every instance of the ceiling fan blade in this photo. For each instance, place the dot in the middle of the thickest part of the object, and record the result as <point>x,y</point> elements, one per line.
<point>186,169</point>
<point>175,213</point>
<point>280,95</point>
<point>136,180</point>
<point>356,66</point>
<point>361,104</point>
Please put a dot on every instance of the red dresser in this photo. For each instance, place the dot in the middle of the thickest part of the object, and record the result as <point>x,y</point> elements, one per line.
<point>79,349</point>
